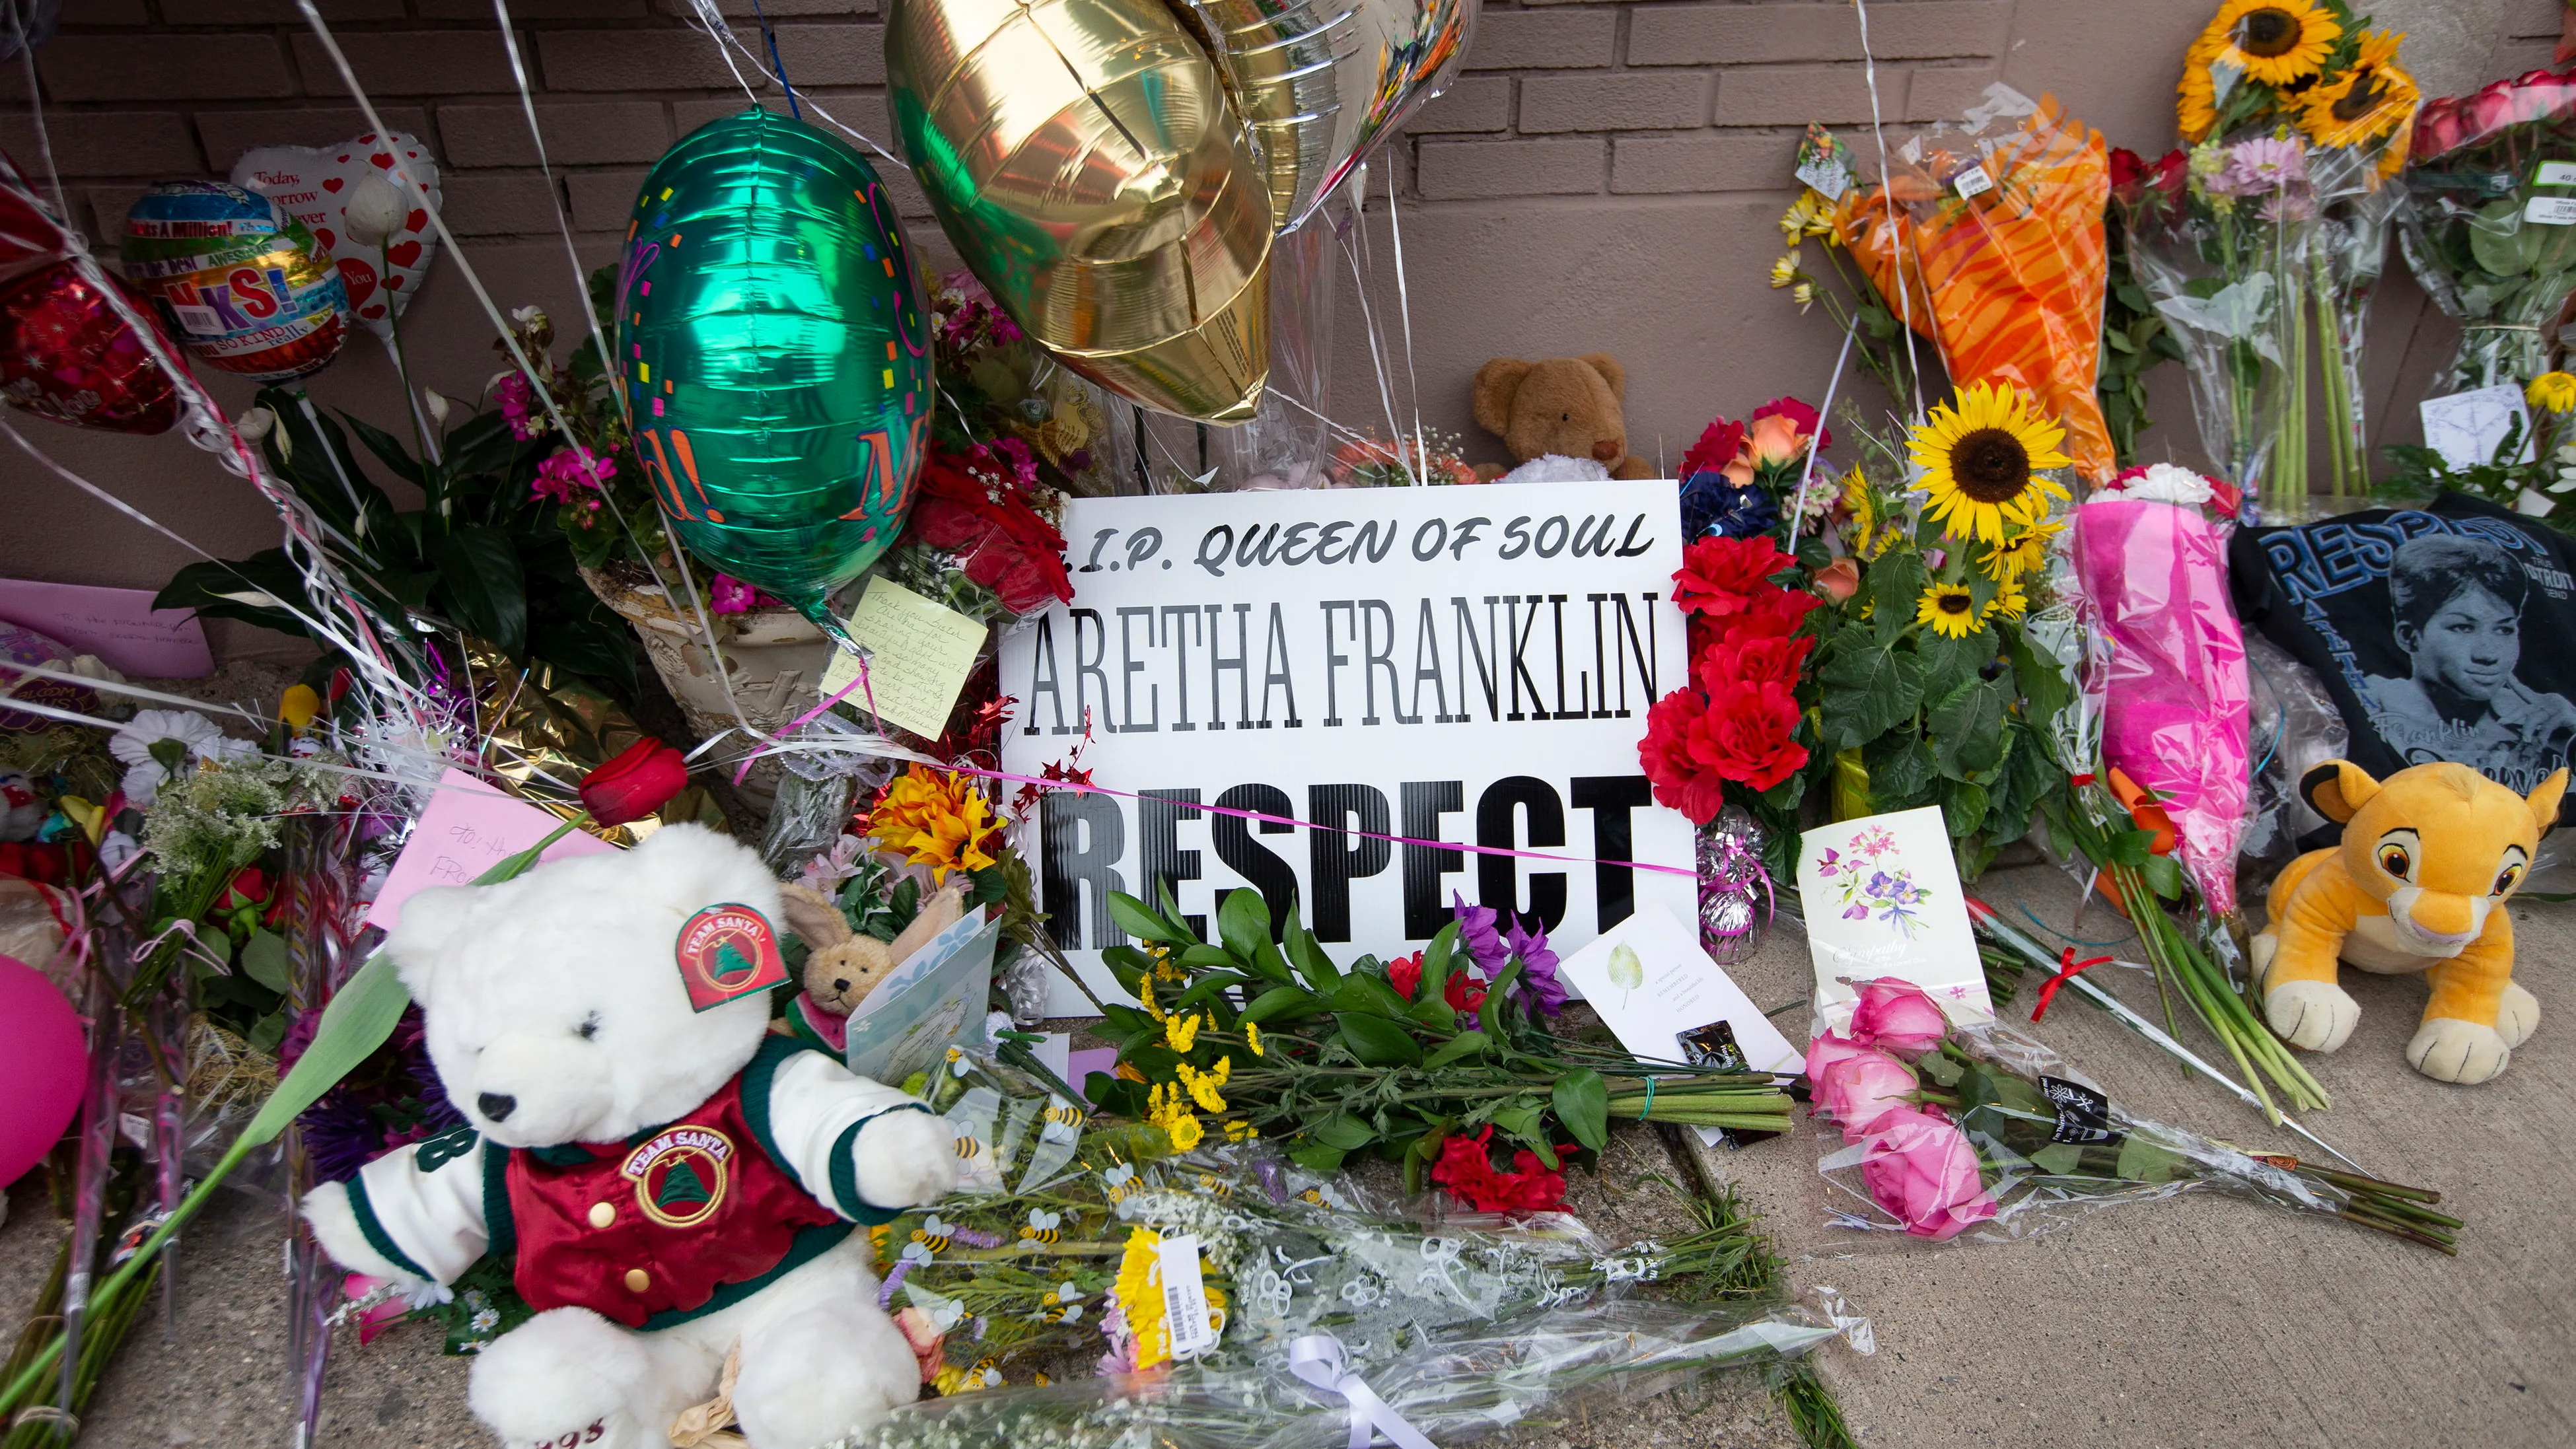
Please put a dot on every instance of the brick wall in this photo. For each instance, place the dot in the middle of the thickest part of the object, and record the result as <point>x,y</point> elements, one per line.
<point>1601,176</point>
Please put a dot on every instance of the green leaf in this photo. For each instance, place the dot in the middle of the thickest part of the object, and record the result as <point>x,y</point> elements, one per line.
<point>1489,1017</point>
<point>392,454</point>
<point>2059,1159</point>
<point>2144,1161</point>
<point>255,589</point>
<point>1172,912</point>
<point>1132,917</point>
<point>263,959</point>
<point>1115,1094</point>
<point>1129,966</point>
<point>1213,983</point>
<point>1901,771</point>
<point>1316,1157</point>
<point>2163,876</point>
<point>1362,992</point>
<point>1525,1119</point>
<point>1309,958</point>
<point>1465,1043</point>
<point>1243,923</point>
<point>1377,1042</point>
<point>1583,1104</point>
<point>1949,663</point>
<point>2129,847</point>
<point>1894,587</point>
<point>2039,679</point>
<point>479,565</point>
<point>1287,1003</point>
<point>1343,1131</point>
<point>1867,686</point>
<point>1204,955</point>
<point>1968,728</point>
<point>1436,959</point>
<point>1963,808</point>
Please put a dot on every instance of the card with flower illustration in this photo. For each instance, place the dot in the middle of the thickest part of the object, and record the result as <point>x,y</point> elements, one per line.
<point>1882,898</point>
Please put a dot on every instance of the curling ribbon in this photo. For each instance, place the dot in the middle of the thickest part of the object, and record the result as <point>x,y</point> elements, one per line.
<point>1317,1358</point>
<point>2069,967</point>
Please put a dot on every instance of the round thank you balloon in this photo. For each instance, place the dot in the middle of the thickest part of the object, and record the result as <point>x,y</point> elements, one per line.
<point>1085,160</point>
<point>249,288</point>
<point>773,344</point>
<point>383,265</point>
<point>1322,84</point>
<point>40,1039</point>
<point>66,353</point>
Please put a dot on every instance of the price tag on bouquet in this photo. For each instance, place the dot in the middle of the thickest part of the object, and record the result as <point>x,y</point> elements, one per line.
<point>2550,210</point>
<point>1185,1304</point>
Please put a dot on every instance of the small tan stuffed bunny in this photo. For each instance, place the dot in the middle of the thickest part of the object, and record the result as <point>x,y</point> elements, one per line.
<point>842,966</point>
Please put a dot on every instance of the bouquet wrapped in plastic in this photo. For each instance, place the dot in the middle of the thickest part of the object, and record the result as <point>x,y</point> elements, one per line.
<point>2153,570</point>
<point>2491,233</point>
<point>1939,1130</point>
<point>1998,218</point>
<point>1320,1392</point>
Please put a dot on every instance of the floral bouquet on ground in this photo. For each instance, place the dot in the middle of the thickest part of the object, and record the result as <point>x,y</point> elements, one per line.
<point>1441,1059</point>
<point>1743,481</point>
<point>2489,234</point>
<point>1945,1129</point>
<point>1886,664</point>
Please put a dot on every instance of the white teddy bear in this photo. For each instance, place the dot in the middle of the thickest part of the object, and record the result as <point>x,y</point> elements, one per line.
<point>669,1183</point>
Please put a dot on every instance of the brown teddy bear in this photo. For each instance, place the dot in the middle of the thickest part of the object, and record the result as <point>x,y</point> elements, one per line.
<point>1567,406</point>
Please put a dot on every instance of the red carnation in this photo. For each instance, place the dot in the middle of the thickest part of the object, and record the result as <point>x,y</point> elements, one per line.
<point>1749,733</point>
<point>1404,973</point>
<point>1717,446</point>
<point>1723,575</point>
<point>1680,780</point>
<point>1775,615</point>
<point>640,780</point>
<point>1467,1170</point>
<point>1754,660</point>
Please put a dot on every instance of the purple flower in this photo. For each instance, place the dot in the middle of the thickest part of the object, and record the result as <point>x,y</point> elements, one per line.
<point>519,405</point>
<point>730,595</point>
<point>1476,932</point>
<point>566,471</point>
<point>1538,969</point>
<point>1856,913</point>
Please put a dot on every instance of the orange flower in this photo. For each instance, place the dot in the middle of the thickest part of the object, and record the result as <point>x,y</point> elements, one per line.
<point>2144,812</point>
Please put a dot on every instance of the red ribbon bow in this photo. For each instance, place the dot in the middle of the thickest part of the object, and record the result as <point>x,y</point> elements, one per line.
<point>2048,989</point>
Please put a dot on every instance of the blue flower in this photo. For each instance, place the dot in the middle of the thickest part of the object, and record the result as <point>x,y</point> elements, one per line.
<point>1712,506</point>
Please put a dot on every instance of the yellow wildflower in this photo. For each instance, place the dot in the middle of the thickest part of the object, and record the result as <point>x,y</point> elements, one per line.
<point>1238,1130</point>
<point>1185,1130</point>
<point>1252,1035</point>
<point>2555,391</point>
<point>1145,993</point>
<point>1804,294</point>
<point>1180,1031</point>
<point>1784,272</point>
<point>948,1379</point>
<point>1203,1085</point>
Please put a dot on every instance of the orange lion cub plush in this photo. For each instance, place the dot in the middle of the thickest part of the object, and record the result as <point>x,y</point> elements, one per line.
<point>2427,860</point>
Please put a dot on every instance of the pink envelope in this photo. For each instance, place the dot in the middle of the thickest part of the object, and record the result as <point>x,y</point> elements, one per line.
<point>468,829</point>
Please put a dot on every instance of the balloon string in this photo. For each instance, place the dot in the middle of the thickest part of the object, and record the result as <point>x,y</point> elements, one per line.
<point>1832,385</point>
<point>1404,314</point>
<point>36,113</point>
<point>713,25</point>
<point>771,36</point>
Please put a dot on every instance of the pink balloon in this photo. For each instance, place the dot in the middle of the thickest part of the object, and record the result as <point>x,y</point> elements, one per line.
<point>48,1061</point>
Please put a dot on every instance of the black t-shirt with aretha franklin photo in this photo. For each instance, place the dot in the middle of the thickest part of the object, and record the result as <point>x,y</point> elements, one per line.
<point>2444,632</point>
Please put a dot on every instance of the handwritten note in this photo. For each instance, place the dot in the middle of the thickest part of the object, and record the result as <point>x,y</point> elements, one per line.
<point>468,828</point>
<point>2466,428</point>
<point>922,652</point>
<point>120,626</point>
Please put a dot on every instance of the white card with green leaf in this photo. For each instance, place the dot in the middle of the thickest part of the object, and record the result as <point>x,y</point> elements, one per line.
<point>1650,980</point>
<point>1882,898</point>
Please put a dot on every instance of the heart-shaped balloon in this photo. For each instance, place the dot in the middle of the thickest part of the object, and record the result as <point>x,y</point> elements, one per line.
<point>315,185</point>
<point>66,354</point>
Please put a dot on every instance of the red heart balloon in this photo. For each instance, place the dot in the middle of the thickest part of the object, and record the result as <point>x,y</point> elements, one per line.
<point>65,354</point>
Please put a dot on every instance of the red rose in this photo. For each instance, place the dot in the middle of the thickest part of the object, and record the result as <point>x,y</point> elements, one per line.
<point>2128,174</point>
<point>1764,660</point>
<point>1749,733</point>
<point>1680,780</point>
<point>642,779</point>
<point>1715,449</point>
<point>1723,575</point>
<point>1404,973</point>
<point>248,887</point>
<point>2171,170</point>
<point>1803,416</point>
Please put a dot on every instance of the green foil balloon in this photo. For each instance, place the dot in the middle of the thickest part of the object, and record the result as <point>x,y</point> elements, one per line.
<point>775,351</point>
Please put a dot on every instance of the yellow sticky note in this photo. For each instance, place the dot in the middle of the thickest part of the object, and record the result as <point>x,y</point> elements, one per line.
<point>920,654</point>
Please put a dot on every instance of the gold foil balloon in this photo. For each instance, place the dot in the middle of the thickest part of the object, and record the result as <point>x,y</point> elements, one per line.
<point>1086,162</point>
<point>1323,81</point>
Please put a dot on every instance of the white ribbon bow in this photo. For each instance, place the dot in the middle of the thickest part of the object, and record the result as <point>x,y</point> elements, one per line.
<point>1317,1358</point>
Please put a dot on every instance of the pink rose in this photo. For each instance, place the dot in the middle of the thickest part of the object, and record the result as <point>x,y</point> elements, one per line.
<point>1828,1049</point>
<point>1897,1016</point>
<point>1923,1171</point>
<point>1860,1090</point>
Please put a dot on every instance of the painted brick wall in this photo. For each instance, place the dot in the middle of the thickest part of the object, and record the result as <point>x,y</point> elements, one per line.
<point>1601,176</point>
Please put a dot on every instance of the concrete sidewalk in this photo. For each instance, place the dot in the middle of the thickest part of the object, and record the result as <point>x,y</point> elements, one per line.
<point>2198,1321</point>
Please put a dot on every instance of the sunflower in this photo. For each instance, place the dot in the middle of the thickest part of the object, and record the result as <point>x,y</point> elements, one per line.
<point>2274,42</point>
<point>1981,462</point>
<point>2196,101</point>
<point>2366,102</point>
<point>1863,509</point>
<point>1950,609</point>
<point>2018,555</point>
<point>2009,603</point>
<point>2553,391</point>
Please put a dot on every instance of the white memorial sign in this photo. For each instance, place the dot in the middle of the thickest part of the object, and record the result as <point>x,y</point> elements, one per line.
<point>1446,665</point>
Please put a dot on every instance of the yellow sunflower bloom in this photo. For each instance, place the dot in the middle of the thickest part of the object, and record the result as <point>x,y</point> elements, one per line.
<point>2196,101</point>
<point>2021,553</point>
<point>2366,102</point>
<point>2274,42</point>
<point>1981,462</point>
<point>937,819</point>
<point>2009,603</point>
<point>1784,272</point>
<point>1949,609</point>
<point>2555,391</point>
